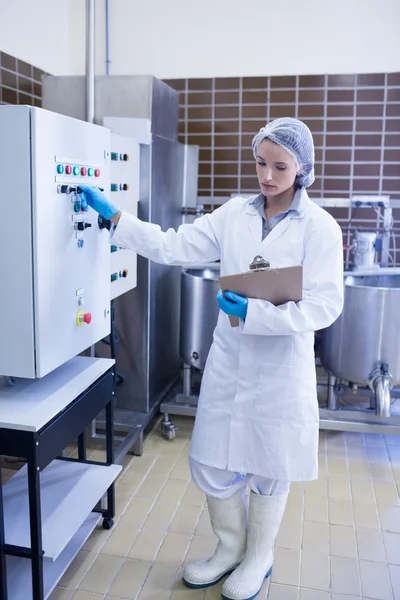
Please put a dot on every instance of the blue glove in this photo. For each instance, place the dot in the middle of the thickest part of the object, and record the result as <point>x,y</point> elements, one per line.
<point>93,197</point>
<point>232,304</point>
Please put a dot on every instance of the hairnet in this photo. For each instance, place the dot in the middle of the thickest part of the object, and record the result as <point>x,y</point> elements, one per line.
<point>295,137</point>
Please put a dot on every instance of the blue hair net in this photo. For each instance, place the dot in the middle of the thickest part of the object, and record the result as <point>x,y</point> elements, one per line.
<point>296,138</point>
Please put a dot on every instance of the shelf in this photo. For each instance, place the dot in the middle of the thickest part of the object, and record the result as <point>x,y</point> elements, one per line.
<point>19,578</point>
<point>69,492</point>
<point>30,404</point>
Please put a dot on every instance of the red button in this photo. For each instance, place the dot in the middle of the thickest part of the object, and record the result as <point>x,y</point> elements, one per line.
<point>87,318</point>
<point>83,171</point>
<point>97,173</point>
<point>68,169</point>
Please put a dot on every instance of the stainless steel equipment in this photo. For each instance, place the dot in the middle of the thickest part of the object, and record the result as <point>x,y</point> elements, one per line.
<point>364,250</point>
<point>199,315</point>
<point>363,346</point>
<point>147,318</point>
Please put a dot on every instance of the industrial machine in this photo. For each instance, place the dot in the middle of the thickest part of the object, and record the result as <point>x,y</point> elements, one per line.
<point>147,110</point>
<point>54,304</point>
<point>55,299</point>
<point>198,318</point>
<point>124,192</point>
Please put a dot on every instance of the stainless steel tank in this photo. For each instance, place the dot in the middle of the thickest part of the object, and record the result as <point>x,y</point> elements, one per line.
<point>199,314</point>
<point>363,345</point>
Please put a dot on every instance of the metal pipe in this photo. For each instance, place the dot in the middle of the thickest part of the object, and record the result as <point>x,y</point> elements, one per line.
<point>90,60</point>
<point>107,39</point>
<point>382,395</point>
<point>187,385</point>
<point>331,393</point>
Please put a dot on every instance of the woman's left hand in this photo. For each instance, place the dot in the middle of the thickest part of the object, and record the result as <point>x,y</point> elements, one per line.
<point>232,304</point>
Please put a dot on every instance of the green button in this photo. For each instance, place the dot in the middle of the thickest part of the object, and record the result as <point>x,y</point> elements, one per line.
<point>77,207</point>
<point>114,248</point>
<point>114,277</point>
<point>60,169</point>
<point>90,172</point>
<point>114,187</point>
<point>114,155</point>
<point>76,171</point>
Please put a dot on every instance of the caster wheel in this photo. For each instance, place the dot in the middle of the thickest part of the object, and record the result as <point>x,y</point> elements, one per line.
<point>107,523</point>
<point>168,430</point>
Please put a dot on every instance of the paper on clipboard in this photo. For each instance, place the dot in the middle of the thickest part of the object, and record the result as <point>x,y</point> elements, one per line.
<point>274,285</point>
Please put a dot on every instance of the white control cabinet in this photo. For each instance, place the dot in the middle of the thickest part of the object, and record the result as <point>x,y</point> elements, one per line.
<point>55,260</point>
<point>124,186</point>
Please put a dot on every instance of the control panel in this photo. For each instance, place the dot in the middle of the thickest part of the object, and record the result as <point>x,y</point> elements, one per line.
<point>55,260</point>
<point>124,193</point>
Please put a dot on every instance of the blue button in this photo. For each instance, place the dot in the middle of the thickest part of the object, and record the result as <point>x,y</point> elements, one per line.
<point>81,243</point>
<point>60,169</point>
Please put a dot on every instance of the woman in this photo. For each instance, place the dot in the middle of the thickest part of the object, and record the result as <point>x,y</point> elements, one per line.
<point>257,419</point>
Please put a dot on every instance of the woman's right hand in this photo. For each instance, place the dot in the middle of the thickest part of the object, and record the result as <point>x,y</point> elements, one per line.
<point>96,199</point>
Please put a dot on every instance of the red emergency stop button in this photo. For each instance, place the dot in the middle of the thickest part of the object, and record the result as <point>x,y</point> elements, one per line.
<point>97,172</point>
<point>87,318</point>
<point>68,169</point>
<point>83,170</point>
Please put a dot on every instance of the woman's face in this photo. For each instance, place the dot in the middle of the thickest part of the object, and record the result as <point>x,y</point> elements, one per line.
<point>276,168</point>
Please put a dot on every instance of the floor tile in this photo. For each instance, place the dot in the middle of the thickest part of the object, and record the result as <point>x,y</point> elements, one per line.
<point>159,584</point>
<point>390,518</point>
<point>61,594</point>
<point>316,537</point>
<point>147,544</point>
<point>343,541</point>
<point>375,581</point>
<point>137,511</point>
<point>387,493</point>
<point>121,540</point>
<point>77,570</point>
<point>101,574</point>
<point>362,490</point>
<point>200,548</point>
<point>392,546</point>
<point>340,512</point>
<point>370,545</point>
<point>366,516</point>
<point>290,533</point>
<point>160,515</point>
<point>314,595</point>
<point>80,595</point>
<point>345,576</point>
<point>286,567</point>
<point>130,579</point>
<point>282,592</point>
<point>394,571</point>
<point>316,509</point>
<point>151,487</point>
<point>173,491</point>
<point>174,549</point>
<point>186,519</point>
<point>315,571</point>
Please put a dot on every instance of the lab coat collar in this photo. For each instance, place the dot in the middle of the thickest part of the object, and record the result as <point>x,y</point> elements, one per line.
<point>297,209</point>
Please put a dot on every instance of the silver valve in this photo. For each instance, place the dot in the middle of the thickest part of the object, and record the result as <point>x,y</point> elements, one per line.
<point>259,263</point>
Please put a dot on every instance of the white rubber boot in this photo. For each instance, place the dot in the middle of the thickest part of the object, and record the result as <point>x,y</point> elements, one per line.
<point>229,523</point>
<point>265,517</point>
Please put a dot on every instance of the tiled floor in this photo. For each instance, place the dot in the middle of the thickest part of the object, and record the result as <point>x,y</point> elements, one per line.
<point>340,538</point>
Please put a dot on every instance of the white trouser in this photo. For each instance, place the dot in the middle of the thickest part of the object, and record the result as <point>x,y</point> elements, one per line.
<point>223,484</point>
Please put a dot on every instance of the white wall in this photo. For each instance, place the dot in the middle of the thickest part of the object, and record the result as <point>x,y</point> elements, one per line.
<point>37,31</point>
<point>215,38</point>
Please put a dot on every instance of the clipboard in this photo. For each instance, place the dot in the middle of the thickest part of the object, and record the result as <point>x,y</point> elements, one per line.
<point>263,283</point>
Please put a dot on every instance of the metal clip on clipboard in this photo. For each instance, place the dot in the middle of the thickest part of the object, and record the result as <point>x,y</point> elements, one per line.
<point>259,264</point>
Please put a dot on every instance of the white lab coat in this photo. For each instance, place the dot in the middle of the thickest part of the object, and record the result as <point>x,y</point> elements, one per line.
<point>258,409</point>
